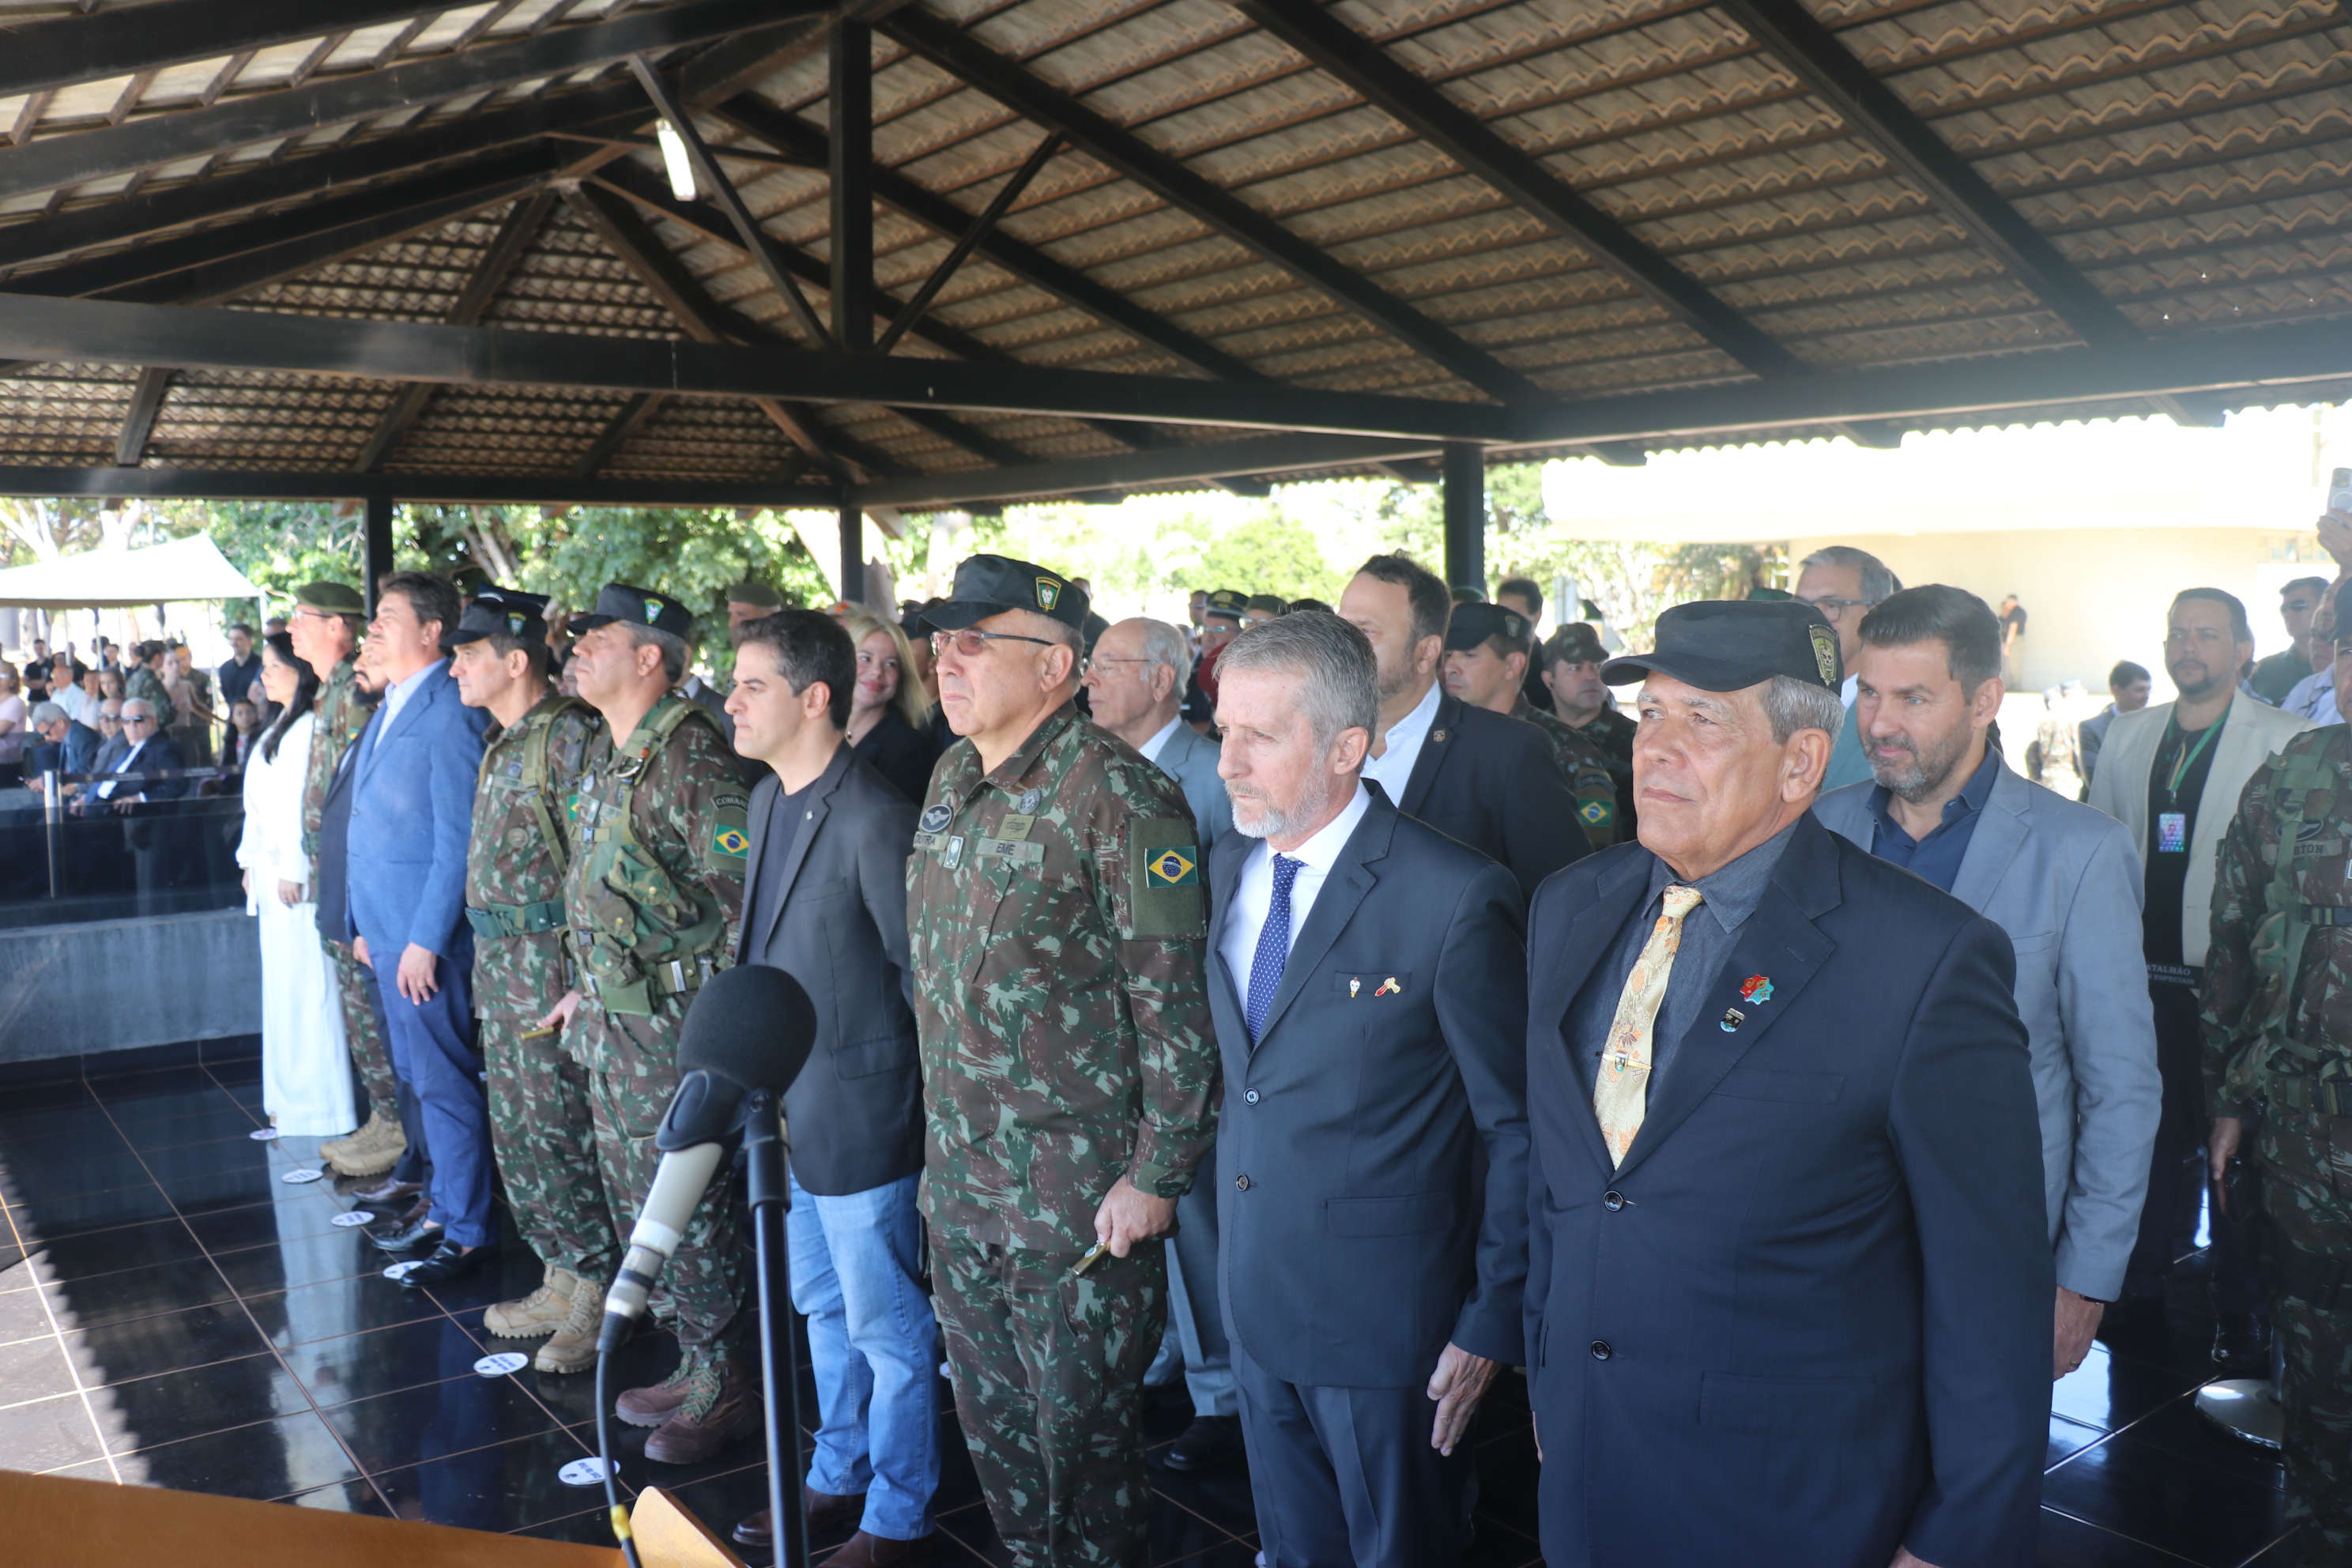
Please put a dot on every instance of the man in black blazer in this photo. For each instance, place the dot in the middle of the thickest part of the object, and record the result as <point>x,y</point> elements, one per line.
<point>1369,994</point>
<point>826,900</point>
<point>1483,778</point>
<point>1789,1279</point>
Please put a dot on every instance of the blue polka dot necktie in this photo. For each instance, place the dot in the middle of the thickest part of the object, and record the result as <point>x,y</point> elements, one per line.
<point>1273,946</point>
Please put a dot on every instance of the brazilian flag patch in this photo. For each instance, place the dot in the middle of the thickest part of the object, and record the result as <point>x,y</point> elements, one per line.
<point>1595,812</point>
<point>730,841</point>
<point>1171,868</point>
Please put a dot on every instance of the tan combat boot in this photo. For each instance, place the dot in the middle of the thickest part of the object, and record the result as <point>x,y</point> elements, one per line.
<point>371,1152</point>
<point>541,1312</point>
<point>573,1348</point>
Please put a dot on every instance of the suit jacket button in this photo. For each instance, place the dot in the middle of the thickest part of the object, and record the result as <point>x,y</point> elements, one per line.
<point>1601,1350</point>
<point>1612,1201</point>
<point>1240,1183</point>
<point>1251,1096</point>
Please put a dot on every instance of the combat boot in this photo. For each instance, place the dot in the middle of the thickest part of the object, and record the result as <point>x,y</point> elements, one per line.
<point>722,1404</point>
<point>651,1405</point>
<point>541,1312</point>
<point>574,1347</point>
<point>371,1152</point>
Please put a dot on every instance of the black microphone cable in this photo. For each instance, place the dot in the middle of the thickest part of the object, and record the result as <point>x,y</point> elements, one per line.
<point>619,1515</point>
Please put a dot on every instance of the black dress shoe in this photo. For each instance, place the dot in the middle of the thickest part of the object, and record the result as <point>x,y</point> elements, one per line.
<point>449,1261</point>
<point>2242,1343</point>
<point>1210,1441</point>
<point>406,1238</point>
<point>387,1191</point>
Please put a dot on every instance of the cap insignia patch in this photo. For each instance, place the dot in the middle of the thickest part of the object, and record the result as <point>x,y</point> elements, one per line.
<point>1825,653</point>
<point>652,611</point>
<point>515,619</point>
<point>1048,591</point>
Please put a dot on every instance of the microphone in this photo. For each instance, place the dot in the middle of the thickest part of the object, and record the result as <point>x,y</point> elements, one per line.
<point>748,1027</point>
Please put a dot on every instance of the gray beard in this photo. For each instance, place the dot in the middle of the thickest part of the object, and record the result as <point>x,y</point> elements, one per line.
<point>1273,824</point>
<point>1920,777</point>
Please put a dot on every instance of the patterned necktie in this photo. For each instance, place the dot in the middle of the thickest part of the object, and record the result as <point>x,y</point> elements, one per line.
<point>1273,946</point>
<point>1620,1089</point>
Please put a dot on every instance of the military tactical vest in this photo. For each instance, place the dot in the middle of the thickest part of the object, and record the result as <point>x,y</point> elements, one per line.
<point>2269,1061</point>
<point>643,934</point>
<point>529,786</point>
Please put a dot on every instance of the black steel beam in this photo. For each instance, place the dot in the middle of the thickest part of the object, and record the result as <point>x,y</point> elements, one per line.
<point>1812,54</point>
<point>1167,465</point>
<point>453,489</point>
<point>64,50</point>
<point>960,55</point>
<point>377,543</point>
<point>998,205</point>
<point>1390,86</point>
<point>1464,500</point>
<point>139,420</point>
<point>56,161</point>
<point>498,263</point>
<point>849,174</point>
<point>790,133</point>
<point>851,521</point>
<point>640,407</point>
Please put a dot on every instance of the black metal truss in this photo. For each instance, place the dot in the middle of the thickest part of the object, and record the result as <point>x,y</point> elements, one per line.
<point>451,490</point>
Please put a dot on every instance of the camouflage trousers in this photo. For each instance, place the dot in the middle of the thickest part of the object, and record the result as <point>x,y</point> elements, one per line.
<point>1047,1368</point>
<point>544,1135</point>
<point>706,1278</point>
<point>2306,1169</point>
<point>369,1052</point>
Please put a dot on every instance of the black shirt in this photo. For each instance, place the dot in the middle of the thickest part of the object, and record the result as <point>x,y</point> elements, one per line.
<point>901,753</point>
<point>236,679</point>
<point>784,819</point>
<point>2167,869</point>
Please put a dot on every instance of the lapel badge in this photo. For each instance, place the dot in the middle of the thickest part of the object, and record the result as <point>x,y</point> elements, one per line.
<point>1732,1018</point>
<point>1388,987</point>
<point>1354,986</point>
<point>1437,737</point>
<point>1028,803</point>
<point>1755,989</point>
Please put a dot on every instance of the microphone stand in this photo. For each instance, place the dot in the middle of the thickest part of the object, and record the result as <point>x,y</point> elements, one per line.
<point>763,1154</point>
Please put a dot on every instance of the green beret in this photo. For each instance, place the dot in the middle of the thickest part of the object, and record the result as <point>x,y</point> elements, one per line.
<point>333,598</point>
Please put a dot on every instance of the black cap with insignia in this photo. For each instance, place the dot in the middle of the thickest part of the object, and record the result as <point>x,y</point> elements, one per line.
<point>639,607</point>
<point>501,612</point>
<point>989,585</point>
<point>1226,605</point>
<point>1473,624</point>
<point>1729,645</point>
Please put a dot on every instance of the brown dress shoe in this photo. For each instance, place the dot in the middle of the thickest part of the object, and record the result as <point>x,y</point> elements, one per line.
<point>863,1551</point>
<point>722,1404</point>
<point>387,1191</point>
<point>825,1510</point>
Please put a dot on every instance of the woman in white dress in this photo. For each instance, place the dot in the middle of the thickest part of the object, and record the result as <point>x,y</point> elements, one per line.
<point>306,1074</point>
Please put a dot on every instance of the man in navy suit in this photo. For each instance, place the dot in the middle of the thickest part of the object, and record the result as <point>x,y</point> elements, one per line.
<point>412,818</point>
<point>1789,1274</point>
<point>1370,995</point>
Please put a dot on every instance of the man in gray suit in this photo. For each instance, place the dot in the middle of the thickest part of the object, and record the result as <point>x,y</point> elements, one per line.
<point>2060,878</point>
<point>1369,994</point>
<point>824,898</point>
<point>1135,682</point>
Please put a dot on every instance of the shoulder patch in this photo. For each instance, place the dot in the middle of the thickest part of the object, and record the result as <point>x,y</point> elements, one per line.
<point>728,840</point>
<point>1165,893</point>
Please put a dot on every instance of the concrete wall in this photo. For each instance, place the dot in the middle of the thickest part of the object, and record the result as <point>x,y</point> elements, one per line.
<point>80,990</point>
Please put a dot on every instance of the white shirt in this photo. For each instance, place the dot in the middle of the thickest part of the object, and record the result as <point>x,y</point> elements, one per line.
<point>1845,692</point>
<point>396,698</point>
<point>1393,769</point>
<point>1152,748</point>
<point>2314,697</point>
<point>106,789</point>
<point>75,702</point>
<point>1254,890</point>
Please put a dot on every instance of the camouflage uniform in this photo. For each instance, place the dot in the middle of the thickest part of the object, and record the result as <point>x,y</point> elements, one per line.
<point>2278,1032</point>
<point>1587,774</point>
<point>1056,923</point>
<point>1611,734</point>
<point>341,716</point>
<point>648,915</point>
<point>539,1120</point>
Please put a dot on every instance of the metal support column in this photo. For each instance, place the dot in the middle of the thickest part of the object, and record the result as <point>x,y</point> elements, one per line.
<point>379,546</point>
<point>850,166</point>
<point>1465,483</point>
<point>853,553</point>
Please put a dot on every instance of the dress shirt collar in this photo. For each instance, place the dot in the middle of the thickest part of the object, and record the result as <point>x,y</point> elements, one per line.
<point>396,695</point>
<point>1157,743</point>
<point>1730,892</point>
<point>1846,691</point>
<point>1406,733</point>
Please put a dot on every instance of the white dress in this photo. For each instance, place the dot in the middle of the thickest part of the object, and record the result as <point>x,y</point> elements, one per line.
<point>306,1074</point>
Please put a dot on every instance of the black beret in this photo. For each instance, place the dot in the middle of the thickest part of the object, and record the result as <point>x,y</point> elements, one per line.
<point>1473,624</point>
<point>1729,645</point>
<point>989,585</point>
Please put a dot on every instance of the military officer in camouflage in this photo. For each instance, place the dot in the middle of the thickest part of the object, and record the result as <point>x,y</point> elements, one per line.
<point>1487,649</point>
<point>2277,1021</point>
<point>540,1126</point>
<point>1056,923</point>
<point>1580,700</point>
<point>652,902</point>
<point>326,625</point>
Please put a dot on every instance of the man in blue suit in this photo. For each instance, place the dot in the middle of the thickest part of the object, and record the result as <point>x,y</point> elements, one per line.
<point>1790,1277</point>
<point>411,817</point>
<point>1369,991</point>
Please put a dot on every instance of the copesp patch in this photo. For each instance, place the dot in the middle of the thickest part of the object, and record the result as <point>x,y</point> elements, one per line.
<point>1164,857</point>
<point>1825,653</point>
<point>1048,593</point>
<point>515,619</point>
<point>936,817</point>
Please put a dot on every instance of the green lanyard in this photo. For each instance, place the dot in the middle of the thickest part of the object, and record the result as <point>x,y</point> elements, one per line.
<point>2180,768</point>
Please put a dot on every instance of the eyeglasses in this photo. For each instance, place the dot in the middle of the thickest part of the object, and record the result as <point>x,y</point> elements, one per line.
<point>139,719</point>
<point>1835,609</point>
<point>971,643</point>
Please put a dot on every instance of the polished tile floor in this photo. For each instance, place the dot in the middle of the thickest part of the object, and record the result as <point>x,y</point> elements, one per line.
<point>174,1313</point>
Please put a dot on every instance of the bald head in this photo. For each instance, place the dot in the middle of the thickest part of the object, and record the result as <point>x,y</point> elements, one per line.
<point>1135,678</point>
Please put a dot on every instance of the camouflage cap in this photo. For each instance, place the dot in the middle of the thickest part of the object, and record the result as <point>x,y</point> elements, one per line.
<point>1226,603</point>
<point>758,593</point>
<point>1579,642</point>
<point>989,585</point>
<point>501,612</point>
<point>332,598</point>
<point>1473,625</point>
<point>1729,645</point>
<point>638,606</point>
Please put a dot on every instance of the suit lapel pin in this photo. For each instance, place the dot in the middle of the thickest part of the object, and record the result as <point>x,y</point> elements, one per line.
<point>1732,1018</point>
<point>1389,987</point>
<point>1755,989</point>
<point>1354,986</point>
<point>1437,737</point>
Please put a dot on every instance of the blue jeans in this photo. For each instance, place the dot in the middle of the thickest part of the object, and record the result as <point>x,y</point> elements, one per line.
<point>874,1345</point>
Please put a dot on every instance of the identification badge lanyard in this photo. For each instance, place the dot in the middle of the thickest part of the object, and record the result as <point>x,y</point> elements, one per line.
<point>2173,827</point>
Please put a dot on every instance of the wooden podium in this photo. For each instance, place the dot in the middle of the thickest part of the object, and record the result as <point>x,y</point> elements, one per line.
<point>96,1524</point>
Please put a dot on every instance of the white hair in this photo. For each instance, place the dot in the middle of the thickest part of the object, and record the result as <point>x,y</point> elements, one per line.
<point>1163,644</point>
<point>1792,705</point>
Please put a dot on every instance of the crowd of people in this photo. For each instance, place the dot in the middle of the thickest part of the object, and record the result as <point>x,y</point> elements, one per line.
<point>1335,1007</point>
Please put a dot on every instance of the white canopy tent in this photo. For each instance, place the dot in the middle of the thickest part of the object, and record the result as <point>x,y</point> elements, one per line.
<point>190,568</point>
